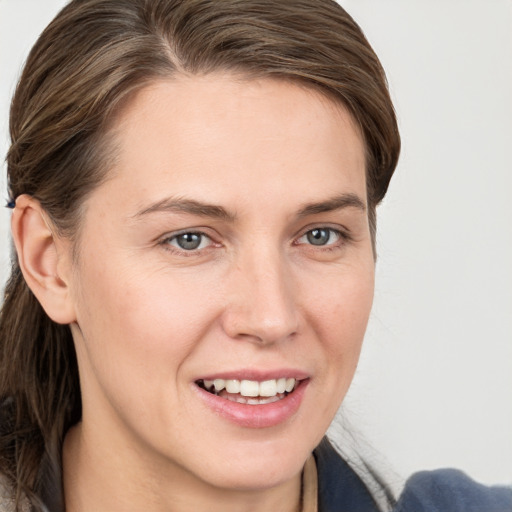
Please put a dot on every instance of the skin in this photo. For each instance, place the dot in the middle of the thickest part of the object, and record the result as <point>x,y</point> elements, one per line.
<point>149,318</point>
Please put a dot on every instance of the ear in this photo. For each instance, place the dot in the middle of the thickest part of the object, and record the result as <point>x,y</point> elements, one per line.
<point>44,259</point>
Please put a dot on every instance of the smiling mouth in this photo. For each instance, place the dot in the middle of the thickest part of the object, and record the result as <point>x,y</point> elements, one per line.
<point>250,392</point>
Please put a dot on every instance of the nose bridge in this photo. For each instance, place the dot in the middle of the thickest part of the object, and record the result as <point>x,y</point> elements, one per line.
<point>262,305</point>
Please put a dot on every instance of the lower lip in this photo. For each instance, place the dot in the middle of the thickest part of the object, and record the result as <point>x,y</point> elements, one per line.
<point>256,416</point>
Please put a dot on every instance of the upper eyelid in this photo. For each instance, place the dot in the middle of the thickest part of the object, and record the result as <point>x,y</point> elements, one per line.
<point>166,239</point>
<point>342,230</point>
<point>165,243</point>
<point>327,228</point>
<point>196,231</point>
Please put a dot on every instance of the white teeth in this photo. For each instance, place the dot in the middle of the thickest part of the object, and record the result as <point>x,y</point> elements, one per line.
<point>281,385</point>
<point>233,386</point>
<point>253,401</point>
<point>252,388</point>
<point>219,384</point>
<point>290,384</point>
<point>269,388</point>
<point>249,388</point>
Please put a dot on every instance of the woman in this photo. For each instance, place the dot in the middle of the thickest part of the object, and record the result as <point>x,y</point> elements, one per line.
<point>194,188</point>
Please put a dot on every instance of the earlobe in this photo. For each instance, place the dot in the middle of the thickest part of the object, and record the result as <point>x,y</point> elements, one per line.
<point>40,254</point>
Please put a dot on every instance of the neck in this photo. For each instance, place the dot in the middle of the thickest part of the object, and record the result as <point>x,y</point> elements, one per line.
<point>110,477</point>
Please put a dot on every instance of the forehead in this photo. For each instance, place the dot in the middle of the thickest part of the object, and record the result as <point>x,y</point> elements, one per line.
<point>216,134</point>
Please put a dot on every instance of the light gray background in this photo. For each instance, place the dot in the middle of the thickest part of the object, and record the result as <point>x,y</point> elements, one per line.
<point>434,387</point>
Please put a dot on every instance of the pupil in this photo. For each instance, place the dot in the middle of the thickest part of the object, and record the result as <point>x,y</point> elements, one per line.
<point>318,236</point>
<point>189,241</point>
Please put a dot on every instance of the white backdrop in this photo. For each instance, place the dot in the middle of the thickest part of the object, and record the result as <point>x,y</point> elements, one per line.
<point>434,387</point>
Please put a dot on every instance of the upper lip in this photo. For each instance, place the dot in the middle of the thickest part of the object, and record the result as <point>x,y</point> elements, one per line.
<point>256,374</point>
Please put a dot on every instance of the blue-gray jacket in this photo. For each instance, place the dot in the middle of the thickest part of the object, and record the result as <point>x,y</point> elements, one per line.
<point>446,490</point>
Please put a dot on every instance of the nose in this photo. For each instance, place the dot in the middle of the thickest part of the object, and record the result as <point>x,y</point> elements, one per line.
<point>261,304</point>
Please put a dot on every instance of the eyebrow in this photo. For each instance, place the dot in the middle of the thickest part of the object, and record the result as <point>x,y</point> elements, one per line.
<point>181,205</point>
<point>193,207</point>
<point>334,203</point>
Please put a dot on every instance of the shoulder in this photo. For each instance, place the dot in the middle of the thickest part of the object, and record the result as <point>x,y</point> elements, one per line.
<point>339,486</point>
<point>444,490</point>
<point>450,490</point>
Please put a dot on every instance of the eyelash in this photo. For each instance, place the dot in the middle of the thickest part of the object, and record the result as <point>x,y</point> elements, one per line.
<point>167,243</point>
<point>341,238</point>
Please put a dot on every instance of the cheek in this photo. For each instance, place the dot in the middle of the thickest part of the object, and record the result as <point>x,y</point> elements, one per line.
<point>151,315</point>
<point>342,305</point>
<point>138,327</point>
<point>339,316</point>
<point>336,306</point>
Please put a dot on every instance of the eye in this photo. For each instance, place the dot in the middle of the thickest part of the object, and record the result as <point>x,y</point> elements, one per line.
<point>189,241</point>
<point>320,237</point>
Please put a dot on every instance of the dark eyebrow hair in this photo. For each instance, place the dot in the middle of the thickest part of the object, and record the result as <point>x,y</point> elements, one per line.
<point>181,205</point>
<point>334,203</point>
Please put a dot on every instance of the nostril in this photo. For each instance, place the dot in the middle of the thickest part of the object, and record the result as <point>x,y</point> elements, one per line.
<point>260,328</point>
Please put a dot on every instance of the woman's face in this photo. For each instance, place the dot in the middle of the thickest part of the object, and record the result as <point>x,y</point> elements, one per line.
<point>230,248</point>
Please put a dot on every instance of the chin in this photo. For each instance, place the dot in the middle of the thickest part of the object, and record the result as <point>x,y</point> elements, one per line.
<point>256,465</point>
<point>256,475</point>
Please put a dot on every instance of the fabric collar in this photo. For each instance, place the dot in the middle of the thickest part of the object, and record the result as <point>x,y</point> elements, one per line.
<point>339,488</point>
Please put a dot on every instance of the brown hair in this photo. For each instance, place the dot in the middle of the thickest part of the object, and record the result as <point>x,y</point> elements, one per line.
<point>85,65</point>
